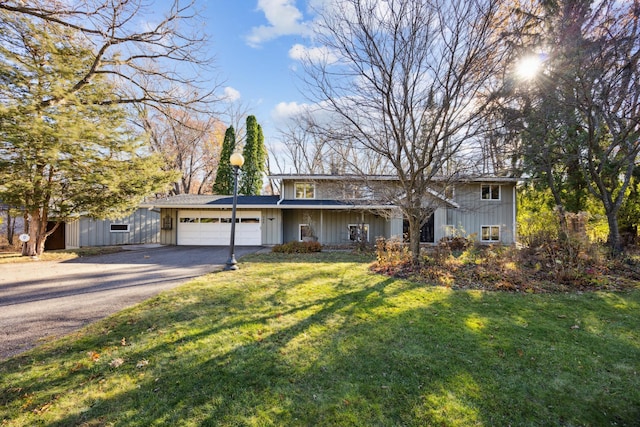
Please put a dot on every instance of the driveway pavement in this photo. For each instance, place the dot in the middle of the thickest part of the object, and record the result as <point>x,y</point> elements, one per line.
<point>43,300</point>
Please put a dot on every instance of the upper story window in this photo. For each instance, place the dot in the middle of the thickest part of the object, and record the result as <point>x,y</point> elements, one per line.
<point>490,192</point>
<point>305,190</point>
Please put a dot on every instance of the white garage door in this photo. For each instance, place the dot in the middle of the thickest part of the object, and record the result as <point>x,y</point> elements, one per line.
<point>213,228</point>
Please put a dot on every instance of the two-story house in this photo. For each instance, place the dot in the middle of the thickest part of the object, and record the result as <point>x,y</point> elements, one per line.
<point>336,209</point>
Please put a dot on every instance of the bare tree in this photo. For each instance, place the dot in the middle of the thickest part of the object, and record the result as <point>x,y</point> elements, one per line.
<point>156,63</point>
<point>303,149</point>
<point>189,144</point>
<point>402,79</point>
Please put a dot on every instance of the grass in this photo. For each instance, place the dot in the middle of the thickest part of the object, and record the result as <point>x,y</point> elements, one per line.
<point>319,340</point>
<point>59,255</point>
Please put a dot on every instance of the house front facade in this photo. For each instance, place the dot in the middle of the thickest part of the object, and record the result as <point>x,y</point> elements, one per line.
<point>338,210</point>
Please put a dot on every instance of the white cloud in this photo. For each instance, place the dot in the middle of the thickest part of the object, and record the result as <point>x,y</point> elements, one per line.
<point>231,94</point>
<point>284,19</point>
<point>285,111</point>
<point>313,54</point>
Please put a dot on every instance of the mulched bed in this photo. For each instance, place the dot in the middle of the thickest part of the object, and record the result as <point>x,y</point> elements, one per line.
<point>513,270</point>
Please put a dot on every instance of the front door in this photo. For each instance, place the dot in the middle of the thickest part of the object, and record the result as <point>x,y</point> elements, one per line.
<point>427,234</point>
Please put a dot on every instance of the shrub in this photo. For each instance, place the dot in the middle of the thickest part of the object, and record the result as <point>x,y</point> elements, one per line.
<point>296,247</point>
<point>456,243</point>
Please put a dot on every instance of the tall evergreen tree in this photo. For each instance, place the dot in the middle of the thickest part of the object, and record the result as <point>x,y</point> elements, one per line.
<point>254,159</point>
<point>65,152</point>
<point>224,177</point>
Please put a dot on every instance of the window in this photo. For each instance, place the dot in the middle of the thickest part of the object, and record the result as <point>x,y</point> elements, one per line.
<point>189,219</point>
<point>305,232</point>
<point>167,223</point>
<point>359,232</point>
<point>305,190</point>
<point>209,220</point>
<point>119,228</point>
<point>251,220</point>
<point>450,192</point>
<point>490,192</point>
<point>490,233</point>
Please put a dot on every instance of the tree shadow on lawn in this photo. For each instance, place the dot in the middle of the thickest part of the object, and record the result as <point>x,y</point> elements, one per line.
<point>384,352</point>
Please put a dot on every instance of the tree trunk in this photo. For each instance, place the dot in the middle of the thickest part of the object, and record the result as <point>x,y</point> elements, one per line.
<point>37,230</point>
<point>414,238</point>
<point>613,240</point>
<point>11,227</point>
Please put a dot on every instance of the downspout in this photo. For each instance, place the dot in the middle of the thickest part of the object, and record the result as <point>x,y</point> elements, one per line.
<point>281,239</point>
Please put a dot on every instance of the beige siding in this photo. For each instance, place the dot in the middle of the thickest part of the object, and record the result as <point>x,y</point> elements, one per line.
<point>169,225</point>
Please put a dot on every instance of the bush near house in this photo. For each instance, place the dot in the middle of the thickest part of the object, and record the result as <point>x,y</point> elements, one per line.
<point>298,247</point>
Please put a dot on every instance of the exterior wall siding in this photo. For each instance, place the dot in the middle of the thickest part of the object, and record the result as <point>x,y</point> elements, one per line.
<point>144,227</point>
<point>474,213</point>
<point>169,226</point>
<point>72,235</point>
<point>271,227</point>
<point>329,226</point>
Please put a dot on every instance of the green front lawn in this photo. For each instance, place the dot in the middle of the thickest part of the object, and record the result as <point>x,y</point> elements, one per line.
<point>319,340</point>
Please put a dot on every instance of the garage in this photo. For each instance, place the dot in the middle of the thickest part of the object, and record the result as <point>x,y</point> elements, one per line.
<point>213,228</point>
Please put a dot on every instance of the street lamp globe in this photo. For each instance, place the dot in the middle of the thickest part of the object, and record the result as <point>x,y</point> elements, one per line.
<point>236,159</point>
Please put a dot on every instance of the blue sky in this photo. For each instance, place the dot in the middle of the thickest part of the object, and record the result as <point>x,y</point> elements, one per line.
<point>255,44</point>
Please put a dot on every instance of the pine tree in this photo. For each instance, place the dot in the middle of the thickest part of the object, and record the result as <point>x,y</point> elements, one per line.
<point>254,159</point>
<point>224,176</point>
<point>75,155</point>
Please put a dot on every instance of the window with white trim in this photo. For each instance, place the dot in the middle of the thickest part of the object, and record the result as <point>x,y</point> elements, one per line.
<point>359,232</point>
<point>490,233</point>
<point>119,228</point>
<point>305,190</point>
<point>490,192</point>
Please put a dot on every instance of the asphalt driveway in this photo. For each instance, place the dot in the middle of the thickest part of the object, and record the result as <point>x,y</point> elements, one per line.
<point>43,300</point>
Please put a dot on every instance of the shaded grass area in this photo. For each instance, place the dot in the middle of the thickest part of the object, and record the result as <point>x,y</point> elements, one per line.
<point>60,254</point>
<point>318,339</point>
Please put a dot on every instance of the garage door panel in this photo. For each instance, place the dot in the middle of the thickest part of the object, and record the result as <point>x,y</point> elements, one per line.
<point>213,228</point>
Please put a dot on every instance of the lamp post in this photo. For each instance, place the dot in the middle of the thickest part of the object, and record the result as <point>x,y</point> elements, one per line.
<point>236,161</point>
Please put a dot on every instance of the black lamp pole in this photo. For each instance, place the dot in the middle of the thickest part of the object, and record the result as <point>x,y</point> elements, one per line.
<point>232,264</point>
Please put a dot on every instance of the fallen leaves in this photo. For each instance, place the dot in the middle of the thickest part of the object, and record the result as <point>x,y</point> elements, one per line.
<point>117,362</point>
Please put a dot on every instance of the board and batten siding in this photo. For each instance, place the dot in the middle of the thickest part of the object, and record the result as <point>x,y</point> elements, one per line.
<point>169,226</point>
<point>322,189</point>
<point>330,226</point>
<point>72,234</point>
<point>144,227</point>
<point>271,227</point>
<point>474,212</point>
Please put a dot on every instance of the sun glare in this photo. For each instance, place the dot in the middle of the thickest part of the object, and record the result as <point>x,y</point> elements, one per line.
<point>529,67</point>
